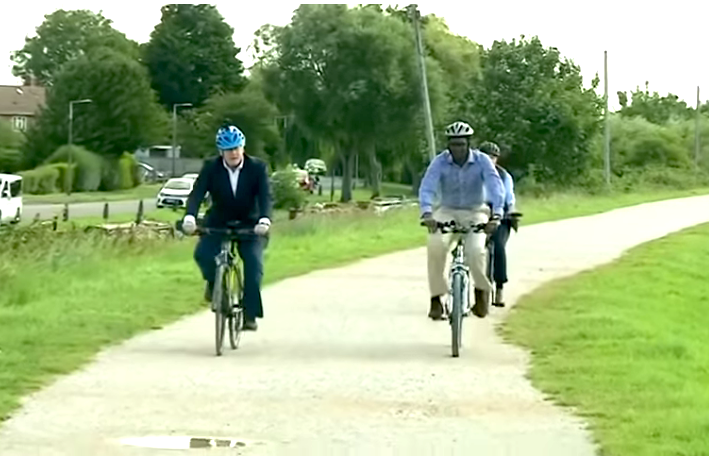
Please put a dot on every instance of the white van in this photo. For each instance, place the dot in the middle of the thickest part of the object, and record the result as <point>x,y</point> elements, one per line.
<point>10,198</point>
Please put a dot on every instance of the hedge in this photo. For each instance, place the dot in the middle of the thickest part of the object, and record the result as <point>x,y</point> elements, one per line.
<point>41,180</point>
<point>89,166</point>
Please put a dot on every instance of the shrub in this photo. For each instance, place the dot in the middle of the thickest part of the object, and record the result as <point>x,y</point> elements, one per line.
<point>40,180</point>
<point>285,190</point>
<point>88,166</point>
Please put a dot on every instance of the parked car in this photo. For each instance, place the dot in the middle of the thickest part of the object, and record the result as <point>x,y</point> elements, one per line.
<point>150,175</point>
<point>10,198</point>
<point>190,176</point>
<point>175,192</point>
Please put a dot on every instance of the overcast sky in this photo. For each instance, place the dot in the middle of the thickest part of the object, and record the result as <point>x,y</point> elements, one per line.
<point>657,42</point>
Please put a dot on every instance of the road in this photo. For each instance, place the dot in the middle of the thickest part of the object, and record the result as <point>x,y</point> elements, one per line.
<point>48,211</point>
<point>346,362</point>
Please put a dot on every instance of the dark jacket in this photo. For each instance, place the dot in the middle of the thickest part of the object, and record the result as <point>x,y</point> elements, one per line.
<point>252,200</point>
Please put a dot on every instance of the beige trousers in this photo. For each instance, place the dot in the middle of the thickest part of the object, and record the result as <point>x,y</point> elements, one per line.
<point>440,246</point>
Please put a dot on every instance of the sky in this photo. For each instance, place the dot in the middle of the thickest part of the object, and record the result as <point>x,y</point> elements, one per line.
<point>659,42</point>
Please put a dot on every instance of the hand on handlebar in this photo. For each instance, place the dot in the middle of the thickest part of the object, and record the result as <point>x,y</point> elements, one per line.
<point>429,222</point>
<point>189,224</point>
<point>492,224</point>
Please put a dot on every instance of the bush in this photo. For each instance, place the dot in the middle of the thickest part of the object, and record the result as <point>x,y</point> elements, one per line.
<point>657,176</point>
<point>64,180</point>
<point>40,181</point>
<point>88,167</point>
<point>285,190</point>
<point>129,171</point>
<point>109,175</point>
<point>10,160</point>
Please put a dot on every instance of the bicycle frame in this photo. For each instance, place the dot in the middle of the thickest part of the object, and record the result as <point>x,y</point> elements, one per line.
<point>459,266</point>
<point>228,257</point>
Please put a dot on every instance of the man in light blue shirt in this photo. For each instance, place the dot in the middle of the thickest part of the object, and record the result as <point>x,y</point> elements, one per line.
<point>503,231</point>
<point>465,179</point>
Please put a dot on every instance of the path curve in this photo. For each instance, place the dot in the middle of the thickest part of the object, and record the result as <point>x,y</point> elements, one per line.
<point>345,363</point>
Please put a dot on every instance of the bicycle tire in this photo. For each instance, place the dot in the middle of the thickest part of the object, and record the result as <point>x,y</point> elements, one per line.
<point>491,271</point>
<point>217,307</point>
<point>236,315</point>
<point>456,316</point>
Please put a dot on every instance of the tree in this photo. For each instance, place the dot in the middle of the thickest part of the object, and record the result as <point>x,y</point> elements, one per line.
<point>534,102</point>
<point>459,60</point>
<point>191,55</point>
<point>64,36</point>
<point>654,108</point>
<point>249,110</point>
<point>348,77</point>
<point>10,143</point>
<point>124,113</point>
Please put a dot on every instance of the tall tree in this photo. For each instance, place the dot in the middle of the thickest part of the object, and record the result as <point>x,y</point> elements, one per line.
<point>349,77</point>
<point>124,113</point>
<point>191,55</point>
<point>532,100</point>
<point>64,36</point>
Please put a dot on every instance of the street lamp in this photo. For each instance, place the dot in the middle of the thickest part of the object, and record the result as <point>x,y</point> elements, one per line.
<point>174,131</point>
<point>71,139</point>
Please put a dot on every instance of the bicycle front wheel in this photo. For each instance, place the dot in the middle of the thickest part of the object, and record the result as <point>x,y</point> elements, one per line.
<point>236,313</point>
<point>220,316</point>
<point>456,315</point>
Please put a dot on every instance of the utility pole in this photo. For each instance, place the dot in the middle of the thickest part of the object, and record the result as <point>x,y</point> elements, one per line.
<point>607,135</point>
<point>70,171</point>
<point>697,145</point>
<point>415,16</point>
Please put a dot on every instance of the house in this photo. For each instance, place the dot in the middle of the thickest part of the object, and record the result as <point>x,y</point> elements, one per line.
<point>20,105</point>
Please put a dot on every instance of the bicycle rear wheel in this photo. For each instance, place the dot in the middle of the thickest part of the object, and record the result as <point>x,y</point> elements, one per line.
<point>456,315</point>
<point>218,298</point>
<point>236,314</point>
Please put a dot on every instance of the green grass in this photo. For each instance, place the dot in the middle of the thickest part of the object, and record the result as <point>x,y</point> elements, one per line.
<point>140,192</point>
<point>62,302</point>
<point>626,346</point>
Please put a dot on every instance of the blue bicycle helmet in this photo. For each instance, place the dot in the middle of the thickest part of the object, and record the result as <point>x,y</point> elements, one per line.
<point>230,137</point>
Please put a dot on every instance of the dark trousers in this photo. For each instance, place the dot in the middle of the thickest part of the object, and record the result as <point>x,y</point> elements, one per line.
<point>251,253</point>
<point>500,254</point>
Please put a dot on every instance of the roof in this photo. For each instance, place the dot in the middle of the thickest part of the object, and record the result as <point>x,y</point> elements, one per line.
<point>10,177</point>
<point>21,100</point>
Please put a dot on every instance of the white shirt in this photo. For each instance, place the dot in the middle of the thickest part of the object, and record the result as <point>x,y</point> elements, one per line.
<point>234,174</point>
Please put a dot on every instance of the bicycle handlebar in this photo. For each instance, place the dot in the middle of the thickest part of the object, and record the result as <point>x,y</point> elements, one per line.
<point>235,231</point>
<point>453,227</point>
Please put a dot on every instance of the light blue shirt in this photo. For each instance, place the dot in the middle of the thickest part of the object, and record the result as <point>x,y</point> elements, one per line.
<point>462,187</point>
<point>509,190</point>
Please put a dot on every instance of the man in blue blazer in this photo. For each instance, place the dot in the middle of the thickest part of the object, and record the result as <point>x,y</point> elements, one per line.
<point>239,189</point>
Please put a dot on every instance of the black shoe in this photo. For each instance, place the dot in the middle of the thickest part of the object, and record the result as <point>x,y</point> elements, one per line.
<point>250,325</point>
<point>482,303</point>
<point>499,298</point>
<point>208,290</point>
<point>436,312</point>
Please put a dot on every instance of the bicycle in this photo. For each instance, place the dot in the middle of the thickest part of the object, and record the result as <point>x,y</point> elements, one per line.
<point>459,280</point>
<point>228,292</point>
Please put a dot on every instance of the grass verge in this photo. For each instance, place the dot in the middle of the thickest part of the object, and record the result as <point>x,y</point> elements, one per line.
<point>625,344</point>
